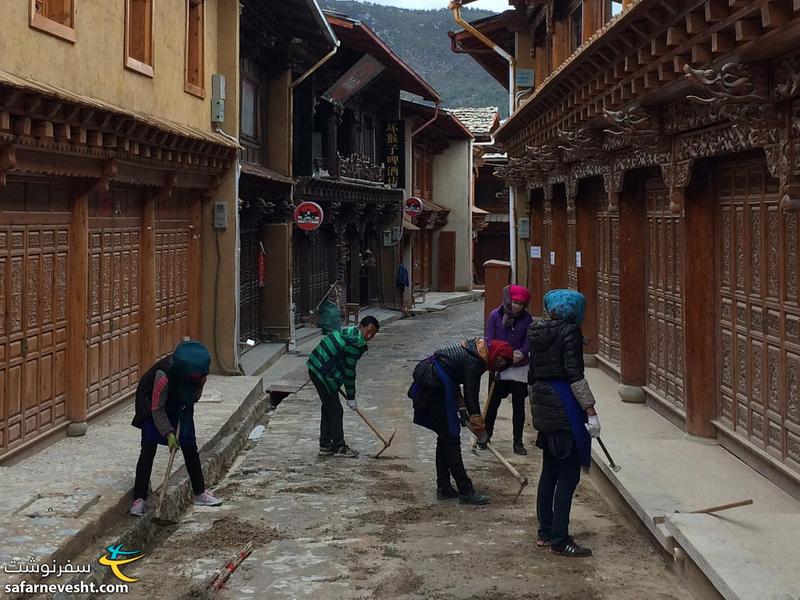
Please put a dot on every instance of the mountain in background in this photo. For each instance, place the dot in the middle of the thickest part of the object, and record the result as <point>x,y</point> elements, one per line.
<point>420,38</point>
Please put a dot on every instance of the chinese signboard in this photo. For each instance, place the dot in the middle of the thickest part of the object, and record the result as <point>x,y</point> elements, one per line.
<point>394,138</point>
<point>355,79</point>
<point>308,216</point>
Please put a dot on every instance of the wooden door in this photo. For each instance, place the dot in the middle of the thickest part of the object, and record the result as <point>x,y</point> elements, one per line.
<point>759,313</point>
<point>427,258</point>
<point>173,230</point>
<point>249,288</point>
<point>664,298</point>
<point>417,255</point>
<point>33,329</point>
<point>447,261</point>
<point>115,220</point>
<point>547,244</point>
<point>608,308</point>
<point>572,245</point>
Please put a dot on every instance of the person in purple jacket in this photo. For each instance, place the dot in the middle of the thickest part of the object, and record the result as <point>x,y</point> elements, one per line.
<point>509,323</point>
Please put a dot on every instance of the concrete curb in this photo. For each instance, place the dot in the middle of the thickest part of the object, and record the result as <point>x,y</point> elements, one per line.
<point>216,456</point>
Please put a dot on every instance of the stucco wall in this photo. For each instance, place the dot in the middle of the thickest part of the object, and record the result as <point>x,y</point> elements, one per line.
<point>94,64</point>
<point>452,188</point>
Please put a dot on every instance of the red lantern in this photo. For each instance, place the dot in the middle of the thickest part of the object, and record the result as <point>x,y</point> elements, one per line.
<point>308,216</point>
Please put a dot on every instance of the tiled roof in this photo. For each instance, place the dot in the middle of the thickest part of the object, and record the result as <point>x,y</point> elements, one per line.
<point>479,121</point>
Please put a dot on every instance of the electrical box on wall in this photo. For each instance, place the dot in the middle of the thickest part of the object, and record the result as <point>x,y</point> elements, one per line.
<point>217,98</point>
<point>524,228</point>
<point>220,215</point>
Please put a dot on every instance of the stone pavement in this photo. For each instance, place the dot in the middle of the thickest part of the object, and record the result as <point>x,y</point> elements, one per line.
<point>54,502</point>
<point>748,553</point>
<point>364,529</point>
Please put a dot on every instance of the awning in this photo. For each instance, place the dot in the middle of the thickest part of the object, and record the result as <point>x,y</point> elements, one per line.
<point>428,206</point>
<point>166,125</point>
<point>264,173</point>
<point>408,225</point>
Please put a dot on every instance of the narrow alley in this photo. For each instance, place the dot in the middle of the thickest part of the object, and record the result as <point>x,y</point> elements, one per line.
<point>328,528</point>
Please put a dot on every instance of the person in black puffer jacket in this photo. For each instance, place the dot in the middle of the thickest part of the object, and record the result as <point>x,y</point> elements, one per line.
<point>563,414</point>
<point>440,406</point>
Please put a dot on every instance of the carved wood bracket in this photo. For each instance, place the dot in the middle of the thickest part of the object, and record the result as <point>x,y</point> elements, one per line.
<point>8,160</point>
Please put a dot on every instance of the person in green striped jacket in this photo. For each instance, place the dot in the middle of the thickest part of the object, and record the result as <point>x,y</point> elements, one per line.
<point>331,365</point>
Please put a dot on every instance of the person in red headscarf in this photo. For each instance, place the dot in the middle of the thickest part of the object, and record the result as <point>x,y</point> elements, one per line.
<point>509,322</point>
<point>440,405</point>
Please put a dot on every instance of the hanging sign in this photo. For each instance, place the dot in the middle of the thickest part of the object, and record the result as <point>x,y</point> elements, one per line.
<point>413,206</point>
<point>308,216</point>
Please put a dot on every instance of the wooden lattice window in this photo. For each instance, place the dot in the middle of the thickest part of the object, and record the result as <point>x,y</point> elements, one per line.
<point>139,36</point>
<point>576,27</point>
<point>56,17</point>
<point>195,44</point>
<point>250,121</point>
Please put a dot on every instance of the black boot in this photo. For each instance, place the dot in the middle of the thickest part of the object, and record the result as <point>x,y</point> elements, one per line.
<point>473,498</point>
<point>519,448</point>
<point>446,492</point>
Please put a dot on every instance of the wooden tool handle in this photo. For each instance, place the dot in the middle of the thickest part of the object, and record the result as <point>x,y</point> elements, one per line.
<point>489,399</point>
<point>505,463</point>
<point>172,454</point>
<point>371,426</point>
<point>721,507</point>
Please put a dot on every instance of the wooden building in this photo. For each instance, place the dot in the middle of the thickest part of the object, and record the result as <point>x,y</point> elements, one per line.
<point>108,168</point>
<point>490,220</point>
<point>441,165</point>
<point>657,158</point>
<point>279,43</point>
<point>349,158</point>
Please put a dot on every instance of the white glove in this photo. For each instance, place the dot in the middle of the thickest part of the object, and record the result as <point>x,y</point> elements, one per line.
<point>593,426</point>
<point>351,404</point>
<point>518,356</point>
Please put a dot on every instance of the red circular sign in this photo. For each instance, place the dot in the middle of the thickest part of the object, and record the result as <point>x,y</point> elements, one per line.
<point>413,206</point>
<point>308,216</point>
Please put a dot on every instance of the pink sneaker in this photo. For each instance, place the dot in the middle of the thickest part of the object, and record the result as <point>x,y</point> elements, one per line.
<point>137,508</point>
<point>206,499</point>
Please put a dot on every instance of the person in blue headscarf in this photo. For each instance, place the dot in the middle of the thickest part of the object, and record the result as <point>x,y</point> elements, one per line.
<point>563,415</point>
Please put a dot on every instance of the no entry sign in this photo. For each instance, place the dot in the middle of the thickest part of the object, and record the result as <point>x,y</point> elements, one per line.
<point>413,206</point>
<point>308,216</point>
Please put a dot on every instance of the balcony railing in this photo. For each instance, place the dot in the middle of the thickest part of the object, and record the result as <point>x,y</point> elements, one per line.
<point>353,166</point>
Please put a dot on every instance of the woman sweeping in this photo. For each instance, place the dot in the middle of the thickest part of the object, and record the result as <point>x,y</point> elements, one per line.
<point>563,414</point>
<point>440,406</point>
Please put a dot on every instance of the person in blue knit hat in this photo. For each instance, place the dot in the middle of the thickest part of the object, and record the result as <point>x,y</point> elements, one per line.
<point>563,414</point>
<point>165,399</point>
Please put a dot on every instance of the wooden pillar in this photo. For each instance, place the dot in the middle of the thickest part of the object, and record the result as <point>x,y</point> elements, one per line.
<point>633,288</point>
<point>699,304</point>
<point>77,309</point>
<point>586,258</point>
<point>536,273</point>
<point>194,268</point>
<point>148,346</point>
<point>558,241</point>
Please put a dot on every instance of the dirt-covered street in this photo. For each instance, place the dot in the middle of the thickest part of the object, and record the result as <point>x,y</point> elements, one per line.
<point>365,528</point>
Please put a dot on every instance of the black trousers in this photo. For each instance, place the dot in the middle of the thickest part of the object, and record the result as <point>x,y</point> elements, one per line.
<point>449,462</point>
<point>557,483</point>
<point>331,429</point>
<point>518,391</point>
<point>144,468</point>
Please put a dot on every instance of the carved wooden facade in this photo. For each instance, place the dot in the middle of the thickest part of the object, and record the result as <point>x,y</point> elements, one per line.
<point>705,97</point>
<point>99,252</point>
